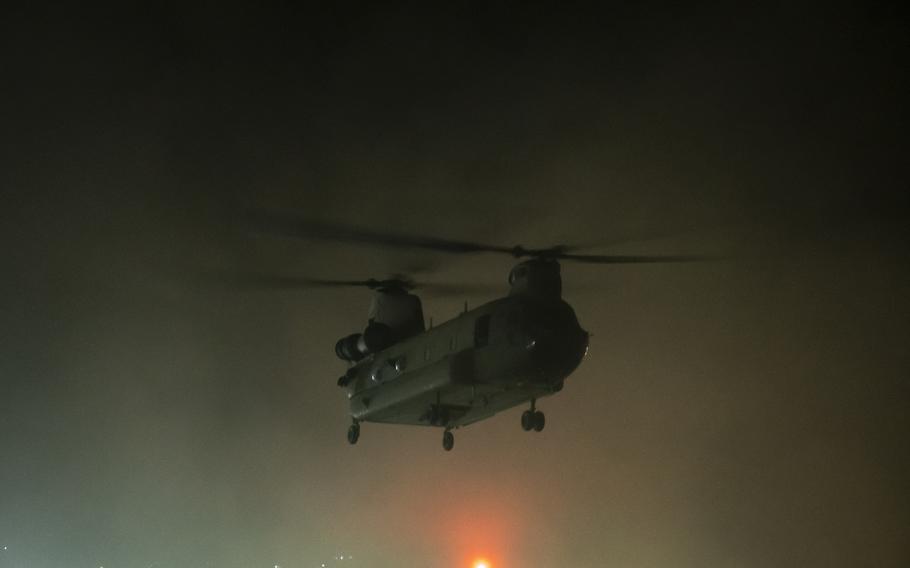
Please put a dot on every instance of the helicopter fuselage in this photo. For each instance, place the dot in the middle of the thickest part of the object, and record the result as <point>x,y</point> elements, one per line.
<point>509,351</point>
<point>497,356</point>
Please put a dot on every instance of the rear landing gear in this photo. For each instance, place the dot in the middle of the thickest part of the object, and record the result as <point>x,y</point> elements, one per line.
<point>533,419</point>
<point>539,421</point>
<point>448,441</point>
<point>353,433</point>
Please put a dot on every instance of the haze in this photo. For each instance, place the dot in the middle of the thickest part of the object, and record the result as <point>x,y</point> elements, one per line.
<point>745,412</point>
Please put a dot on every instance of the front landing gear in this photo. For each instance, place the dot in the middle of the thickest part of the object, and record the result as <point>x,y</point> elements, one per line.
<point>353,433</point>
<point>448,441</point>
<point>533,419</point>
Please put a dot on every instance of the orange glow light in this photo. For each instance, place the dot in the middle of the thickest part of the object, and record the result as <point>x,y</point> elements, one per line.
<point>481,564</point>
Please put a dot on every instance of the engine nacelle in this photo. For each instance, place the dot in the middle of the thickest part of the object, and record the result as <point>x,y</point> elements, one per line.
<point>354,347</point>
<point>351,348</point>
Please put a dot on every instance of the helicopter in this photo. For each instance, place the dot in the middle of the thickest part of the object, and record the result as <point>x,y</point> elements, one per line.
<point>511,351</point>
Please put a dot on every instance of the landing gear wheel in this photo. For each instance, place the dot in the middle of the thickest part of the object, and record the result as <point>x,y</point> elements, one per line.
<point>353,433</point>
<point>539,421</point>
<point>527,420</point>
<point>448,441</point>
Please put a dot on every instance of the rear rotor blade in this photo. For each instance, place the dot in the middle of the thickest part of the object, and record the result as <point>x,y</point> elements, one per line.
<point>286,226</point>
<point>264,281</point>
<point>283,282</point>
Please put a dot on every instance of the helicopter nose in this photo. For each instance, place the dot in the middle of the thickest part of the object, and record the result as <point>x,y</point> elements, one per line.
<point>560,353</point>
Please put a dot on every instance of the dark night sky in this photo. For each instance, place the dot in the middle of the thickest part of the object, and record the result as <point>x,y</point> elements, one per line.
<point>750,412</point>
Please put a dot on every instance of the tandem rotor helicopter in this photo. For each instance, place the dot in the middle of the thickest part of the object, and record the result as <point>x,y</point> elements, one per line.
<point>511,351</point>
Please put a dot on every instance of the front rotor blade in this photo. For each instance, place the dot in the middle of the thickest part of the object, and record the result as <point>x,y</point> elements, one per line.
<point>286,226</point>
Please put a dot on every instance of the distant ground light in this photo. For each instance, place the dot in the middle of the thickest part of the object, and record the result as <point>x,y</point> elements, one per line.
<point>340,557</point>
<point>346,558</point>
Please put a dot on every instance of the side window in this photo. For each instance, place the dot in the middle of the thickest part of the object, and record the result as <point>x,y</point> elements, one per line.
<point>482,331</point>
